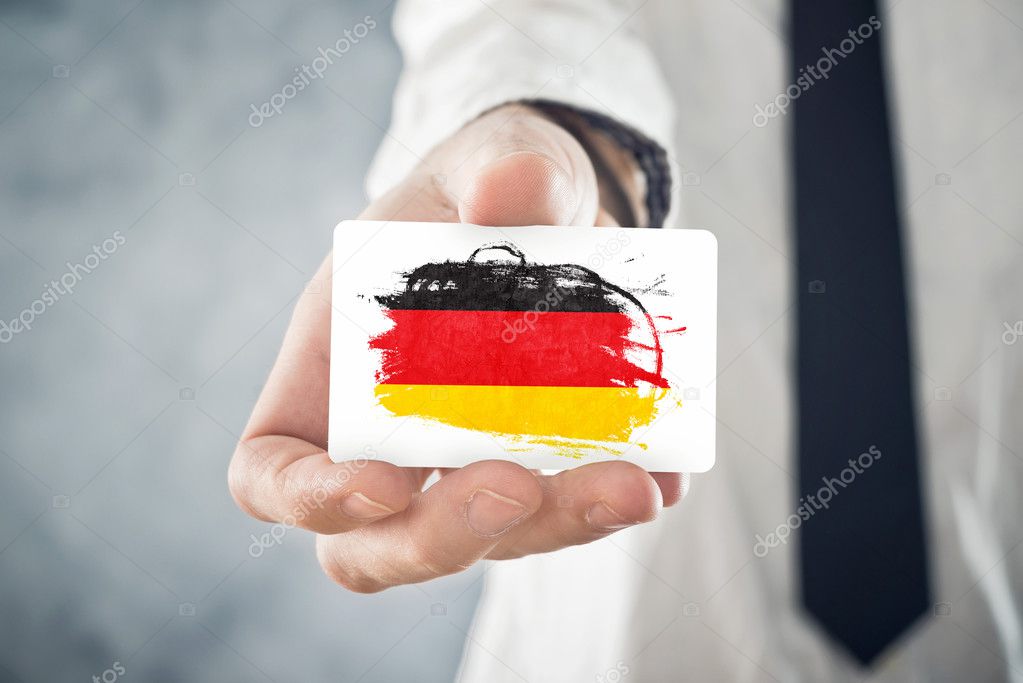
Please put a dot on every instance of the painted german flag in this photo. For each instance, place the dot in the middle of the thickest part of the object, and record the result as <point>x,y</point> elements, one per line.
<point>548,353</point>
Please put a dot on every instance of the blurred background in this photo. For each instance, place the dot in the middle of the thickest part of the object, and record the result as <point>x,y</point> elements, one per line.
<point>154,233</point>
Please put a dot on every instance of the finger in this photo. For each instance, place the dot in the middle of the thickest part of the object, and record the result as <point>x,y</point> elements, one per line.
<point>280,470</point>
<point>584,504</point>
<point>450,526</point>
<point>513,166</point>
<point>674,486</point>
<point>287,480</point>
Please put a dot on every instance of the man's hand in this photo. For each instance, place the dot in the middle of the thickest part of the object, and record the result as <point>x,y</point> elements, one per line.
<point>377,527</point>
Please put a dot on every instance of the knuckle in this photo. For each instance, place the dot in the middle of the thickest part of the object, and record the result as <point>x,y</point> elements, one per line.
<point>240,487</point>
<point>345,574</point>
<point>430,562</point>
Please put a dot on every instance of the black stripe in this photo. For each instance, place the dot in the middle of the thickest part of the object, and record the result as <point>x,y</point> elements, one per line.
<point>491,286</point>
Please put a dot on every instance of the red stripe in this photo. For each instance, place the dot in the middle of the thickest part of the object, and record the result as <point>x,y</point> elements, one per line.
<point>522,348</point>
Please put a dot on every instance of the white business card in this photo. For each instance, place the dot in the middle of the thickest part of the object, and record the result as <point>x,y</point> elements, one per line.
<point>551,347</point>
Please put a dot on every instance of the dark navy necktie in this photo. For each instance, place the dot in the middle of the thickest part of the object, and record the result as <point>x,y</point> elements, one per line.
<point>863,556</point>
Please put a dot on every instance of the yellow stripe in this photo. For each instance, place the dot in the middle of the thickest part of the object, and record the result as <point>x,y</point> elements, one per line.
<point>586,413</point>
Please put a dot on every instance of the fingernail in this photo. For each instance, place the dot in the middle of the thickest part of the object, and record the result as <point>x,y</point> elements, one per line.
<point>602,517</point>
<point>489,513</point>
<point>358,506</point>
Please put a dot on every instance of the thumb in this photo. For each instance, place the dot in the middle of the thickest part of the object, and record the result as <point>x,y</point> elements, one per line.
<point>523,169</point>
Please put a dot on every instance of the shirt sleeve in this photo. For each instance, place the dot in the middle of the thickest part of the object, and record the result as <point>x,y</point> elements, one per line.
<point>464,57</point>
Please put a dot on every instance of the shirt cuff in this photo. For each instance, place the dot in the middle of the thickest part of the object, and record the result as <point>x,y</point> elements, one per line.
<point>650,157</point>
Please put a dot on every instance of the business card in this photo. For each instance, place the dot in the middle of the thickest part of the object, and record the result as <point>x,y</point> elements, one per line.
<point>551,347</point>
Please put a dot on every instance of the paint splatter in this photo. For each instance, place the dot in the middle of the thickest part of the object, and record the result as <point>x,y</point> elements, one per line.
<point>538,354</point>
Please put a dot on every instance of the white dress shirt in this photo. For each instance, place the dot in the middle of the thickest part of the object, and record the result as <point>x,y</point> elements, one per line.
<point>689,597</point>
